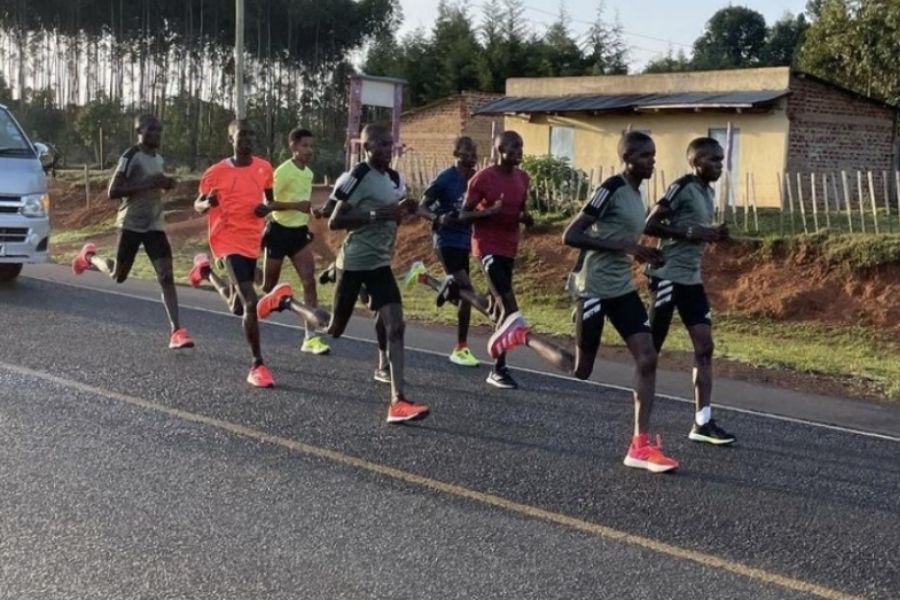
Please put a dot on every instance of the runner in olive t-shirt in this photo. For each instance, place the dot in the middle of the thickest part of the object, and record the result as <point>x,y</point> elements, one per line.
<point>683,220</point>
<point>139,181</point>
<point>607,231</point>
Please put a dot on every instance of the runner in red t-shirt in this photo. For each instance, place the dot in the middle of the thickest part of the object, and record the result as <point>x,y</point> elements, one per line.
<point>496,205</point>
<point>232,194</point>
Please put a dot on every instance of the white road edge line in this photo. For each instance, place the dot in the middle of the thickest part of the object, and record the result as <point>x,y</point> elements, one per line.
<point>746,411</point>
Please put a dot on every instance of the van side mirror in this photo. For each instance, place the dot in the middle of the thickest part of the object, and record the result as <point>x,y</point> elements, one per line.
<point>46,155</point>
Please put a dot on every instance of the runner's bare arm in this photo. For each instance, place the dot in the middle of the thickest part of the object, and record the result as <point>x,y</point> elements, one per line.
<point>469,213</point>
<point>658,225</point>
<point>120,188</point>
<point>349,218</point>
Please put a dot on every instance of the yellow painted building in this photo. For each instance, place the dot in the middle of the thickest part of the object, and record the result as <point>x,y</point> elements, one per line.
<point>781,121</point>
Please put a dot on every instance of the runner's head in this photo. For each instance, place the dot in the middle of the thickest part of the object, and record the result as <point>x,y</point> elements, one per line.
<point>705,155</point>
<point>300,141</point>
<point>509,148</point>
<point>638,152</point>
<point>466,152</point>
<point>241,136</point>
<point>149,130</point>
<point>379,144</point>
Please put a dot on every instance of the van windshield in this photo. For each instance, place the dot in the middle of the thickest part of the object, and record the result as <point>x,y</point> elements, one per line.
<point>12,140</point>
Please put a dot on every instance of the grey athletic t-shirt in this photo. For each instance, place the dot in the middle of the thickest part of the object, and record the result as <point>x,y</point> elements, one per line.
<point>141,211</point>
<point>691,204</point>
<point>620,213</point>
<point>372,245</point>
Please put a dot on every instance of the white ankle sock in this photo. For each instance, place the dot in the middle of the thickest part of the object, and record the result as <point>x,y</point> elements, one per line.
<point>703,416</point>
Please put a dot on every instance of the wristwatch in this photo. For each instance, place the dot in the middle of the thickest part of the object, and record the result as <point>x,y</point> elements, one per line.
<point>371,215</point>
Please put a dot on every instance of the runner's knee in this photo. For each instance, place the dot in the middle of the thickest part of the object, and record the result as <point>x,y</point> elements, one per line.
<point>646,362</point>
<point>703,352</point>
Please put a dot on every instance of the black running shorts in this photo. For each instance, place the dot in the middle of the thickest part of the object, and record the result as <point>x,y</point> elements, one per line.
<point>626,313</point>
<point>281,242</point>
<point>499,273</point>
<point>156,245</point>
<point>453,259</point>
<point>380,284</point>
<point>241,269</point>
<point>690,300</point>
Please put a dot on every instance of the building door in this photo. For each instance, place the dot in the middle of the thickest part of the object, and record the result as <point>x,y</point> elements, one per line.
<point>732,166</point>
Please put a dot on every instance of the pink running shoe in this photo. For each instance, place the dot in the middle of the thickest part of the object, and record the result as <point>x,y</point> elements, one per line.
<point>201,263</point>
<point>82,262</point>
<point>260,376</point>
<point>513,332</point>
<point>180,339</point>
<point>272,301</point>
<point>644,455</point>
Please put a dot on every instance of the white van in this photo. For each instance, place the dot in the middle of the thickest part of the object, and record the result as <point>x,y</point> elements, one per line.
<point>24,202</point>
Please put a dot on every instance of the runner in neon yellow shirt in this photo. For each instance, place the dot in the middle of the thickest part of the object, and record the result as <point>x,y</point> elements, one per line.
<point>287,234</point>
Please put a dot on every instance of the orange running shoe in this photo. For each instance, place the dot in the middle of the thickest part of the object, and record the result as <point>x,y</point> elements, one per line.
<point>273,300</point>
<point>201,263</point>
<point>644,455</point>
<point>82,262</point>
<point>403,410</point>
<point>180,339</point>
<point>260,376</point>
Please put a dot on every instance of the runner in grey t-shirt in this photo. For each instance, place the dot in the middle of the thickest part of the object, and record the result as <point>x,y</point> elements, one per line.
<point>608,231</point>
<point>139,182</point>
<point>683,220</point>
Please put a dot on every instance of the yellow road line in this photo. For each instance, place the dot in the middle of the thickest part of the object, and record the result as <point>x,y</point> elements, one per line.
<point>602,531</point>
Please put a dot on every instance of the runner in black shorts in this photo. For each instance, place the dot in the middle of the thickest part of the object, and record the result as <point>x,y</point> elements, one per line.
<point>608,232</point>
<point>287,233</point>
<point>683,220</point>
<point>139,181</point>
<point>496,206</point>
<point>232,192</point>
<point>441,204</point>
<point>369,209</point>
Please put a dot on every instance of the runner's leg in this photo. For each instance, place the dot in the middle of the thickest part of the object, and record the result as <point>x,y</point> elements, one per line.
<point>156,245</point>
<point>242,271</point>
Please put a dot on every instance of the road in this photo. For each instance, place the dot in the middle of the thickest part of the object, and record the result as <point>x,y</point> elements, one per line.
<point>132,471</point>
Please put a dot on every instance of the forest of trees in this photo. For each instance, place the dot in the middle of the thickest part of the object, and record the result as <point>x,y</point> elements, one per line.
<point>72,67</point>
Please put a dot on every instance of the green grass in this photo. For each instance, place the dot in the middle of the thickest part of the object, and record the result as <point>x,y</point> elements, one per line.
<point>71,236</point>
<point>773,223</point>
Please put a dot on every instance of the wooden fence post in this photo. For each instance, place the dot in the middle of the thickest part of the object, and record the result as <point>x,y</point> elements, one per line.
<point>825,200</point>
<point>753,198</point>
<point>747,202</point>
<point>862,206</point>
<point>790,195</point>
<point>802,205</point>
<point>871,179</point>
<point>87,187</point>
<point>886,190</point>
<point>781,204</point>
<point>812,185</point>
<point>847,200</point>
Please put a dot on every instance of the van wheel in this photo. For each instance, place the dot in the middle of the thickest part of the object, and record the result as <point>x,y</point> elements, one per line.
<point>8,272</point>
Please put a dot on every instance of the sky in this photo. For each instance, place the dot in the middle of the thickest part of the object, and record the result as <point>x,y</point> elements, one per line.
<point>651,26</point>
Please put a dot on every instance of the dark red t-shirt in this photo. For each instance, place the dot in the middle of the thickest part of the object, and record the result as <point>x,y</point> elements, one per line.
<point>497,235</point>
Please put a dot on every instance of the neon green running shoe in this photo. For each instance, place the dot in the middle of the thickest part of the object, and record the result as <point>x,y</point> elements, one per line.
<point>315,345</point>
<point>463,357</point>
<point>416,272</point>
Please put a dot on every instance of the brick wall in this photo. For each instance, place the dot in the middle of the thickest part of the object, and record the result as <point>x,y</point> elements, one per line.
<point>429,132</point>
<point>831,130</point>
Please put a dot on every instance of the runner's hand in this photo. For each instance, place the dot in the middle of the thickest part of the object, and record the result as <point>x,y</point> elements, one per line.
<point>526,219</point>
<point>646,254</point>
<point>212,199</point>
<point>389,213</point>
<point>705,234</point>
<point>450,219</point>
<point>409,205</point>
<point>496,207</point>
<point>724,233</point>
<point>261,210</point>
<point>167,183</point>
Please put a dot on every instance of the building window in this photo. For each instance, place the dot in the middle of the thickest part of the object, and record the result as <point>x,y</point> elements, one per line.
<point>562,143</point>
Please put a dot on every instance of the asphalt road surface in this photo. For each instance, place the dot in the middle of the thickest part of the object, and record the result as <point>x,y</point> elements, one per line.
<point>131,471</point>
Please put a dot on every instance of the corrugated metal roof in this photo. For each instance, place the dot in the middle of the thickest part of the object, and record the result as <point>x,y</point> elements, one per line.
<point>630,102</point>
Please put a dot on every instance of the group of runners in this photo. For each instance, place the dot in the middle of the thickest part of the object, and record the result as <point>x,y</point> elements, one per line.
<point>253,209</point>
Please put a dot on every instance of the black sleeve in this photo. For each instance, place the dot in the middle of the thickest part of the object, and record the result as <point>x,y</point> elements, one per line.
<point>675,189</point>
<point>356,176</point>
<point>600,199</point>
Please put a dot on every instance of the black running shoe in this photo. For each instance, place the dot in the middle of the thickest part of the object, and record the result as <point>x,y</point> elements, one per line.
<point>502,379</point>
<point>448,292</point>
<point>711,434</point>
<point>329,275</point>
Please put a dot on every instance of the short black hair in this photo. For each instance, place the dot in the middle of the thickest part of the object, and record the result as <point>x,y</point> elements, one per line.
<point>298,133</point>
<point>373,130</point>
<point>701,145</point>
<point>461,141</point>
<point>238,124</point>
<point>141,121</point>
<point>503,136</point>
<point>630,139</point>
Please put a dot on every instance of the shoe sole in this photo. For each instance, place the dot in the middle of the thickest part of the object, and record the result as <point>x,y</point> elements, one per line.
<point>182,346</point>
<point>500,330</point>
<point>696,437</point>
<point>415,417</point>
<point>649,466</point>
<point>502,386</point>
<point>462,363</point>
<point>316,352</point>
<point>256,385</point>
<point>386,380</point>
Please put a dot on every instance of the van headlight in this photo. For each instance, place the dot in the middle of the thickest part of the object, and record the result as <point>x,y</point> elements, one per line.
<point>35,205</point>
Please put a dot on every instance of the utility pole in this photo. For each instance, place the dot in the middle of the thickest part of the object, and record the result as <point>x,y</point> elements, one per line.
<point>240,108</point>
